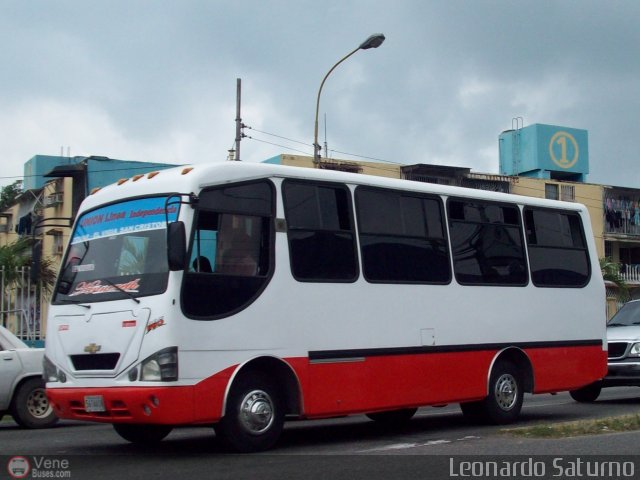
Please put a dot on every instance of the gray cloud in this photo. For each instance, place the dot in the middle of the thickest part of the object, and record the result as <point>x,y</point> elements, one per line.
<point>155,80</point>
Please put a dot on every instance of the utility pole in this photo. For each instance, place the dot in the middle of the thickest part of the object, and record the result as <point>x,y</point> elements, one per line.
<point>238,119</point>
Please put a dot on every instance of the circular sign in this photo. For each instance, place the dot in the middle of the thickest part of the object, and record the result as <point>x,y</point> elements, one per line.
<point>18,467</point>
<point>563,149</point>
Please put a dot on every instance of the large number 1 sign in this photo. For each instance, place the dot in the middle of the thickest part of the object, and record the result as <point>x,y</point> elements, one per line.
<point>563,149</point>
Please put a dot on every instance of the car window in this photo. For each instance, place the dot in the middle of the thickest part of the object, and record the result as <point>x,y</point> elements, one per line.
<point>629,314</point>
<point>9,341</point>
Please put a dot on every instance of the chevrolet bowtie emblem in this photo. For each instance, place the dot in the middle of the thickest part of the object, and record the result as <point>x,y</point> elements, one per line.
<point>92,348</point>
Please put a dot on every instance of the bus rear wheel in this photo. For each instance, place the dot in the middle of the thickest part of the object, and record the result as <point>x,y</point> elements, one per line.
<point>254,418</point>
<point>587,394</point>
<point>136,433</point>
<point>506,394</point>
<point>393,417</point>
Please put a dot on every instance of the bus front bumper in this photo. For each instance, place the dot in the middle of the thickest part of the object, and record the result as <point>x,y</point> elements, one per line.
<point>178,405</point>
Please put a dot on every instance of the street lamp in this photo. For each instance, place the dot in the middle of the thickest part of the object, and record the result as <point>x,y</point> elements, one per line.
<point>374,41</point>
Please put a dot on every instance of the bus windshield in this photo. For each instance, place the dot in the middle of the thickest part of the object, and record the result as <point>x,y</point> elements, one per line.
<point>118,251</point>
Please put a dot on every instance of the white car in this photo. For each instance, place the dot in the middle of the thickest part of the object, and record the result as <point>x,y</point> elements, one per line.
<point>22,388</point>
<point>623,345</point>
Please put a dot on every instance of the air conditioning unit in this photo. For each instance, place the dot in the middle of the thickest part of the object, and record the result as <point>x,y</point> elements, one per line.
<point>54,199</point>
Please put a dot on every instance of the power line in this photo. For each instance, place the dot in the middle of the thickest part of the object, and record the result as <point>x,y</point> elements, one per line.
<point>278,136</point>
<point>306,144</point>
<point>277,145</point>
<point>102,171</point>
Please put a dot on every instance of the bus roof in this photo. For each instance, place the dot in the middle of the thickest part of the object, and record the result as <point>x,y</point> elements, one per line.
<point>192,178</point>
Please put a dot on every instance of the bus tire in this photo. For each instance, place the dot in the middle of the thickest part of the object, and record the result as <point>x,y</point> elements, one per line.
<point>587,394</point>
<point>503,403</point>
<point>30,407</point>
<point>393,417</point>
<point>254,417</point>
<point>136,433</point>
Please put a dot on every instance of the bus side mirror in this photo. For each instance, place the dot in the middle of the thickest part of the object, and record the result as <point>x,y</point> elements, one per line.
<point>176,246</point>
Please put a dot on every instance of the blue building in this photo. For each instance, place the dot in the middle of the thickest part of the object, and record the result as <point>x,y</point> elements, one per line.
<point>546,152</point>
<point>87,172</point>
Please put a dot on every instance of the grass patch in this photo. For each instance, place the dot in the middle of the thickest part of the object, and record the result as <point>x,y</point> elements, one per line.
<point>625,423</point>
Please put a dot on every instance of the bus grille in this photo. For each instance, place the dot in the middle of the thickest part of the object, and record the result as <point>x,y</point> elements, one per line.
<point>616,349</point>
<point>96,361</point>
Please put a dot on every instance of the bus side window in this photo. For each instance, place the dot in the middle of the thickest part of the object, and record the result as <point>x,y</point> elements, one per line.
<point>487,243</point>
<point>321,234</point>
<point>557,250</point>
<point>231,250</point>
<point>204,243</point>
<point>402,237</point>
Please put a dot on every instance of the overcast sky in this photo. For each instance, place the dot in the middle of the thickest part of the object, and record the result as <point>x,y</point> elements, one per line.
<point>156,80</point>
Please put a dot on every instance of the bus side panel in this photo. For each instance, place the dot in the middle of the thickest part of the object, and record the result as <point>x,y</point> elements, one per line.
<point>396,381</point>
<point>558,369</point>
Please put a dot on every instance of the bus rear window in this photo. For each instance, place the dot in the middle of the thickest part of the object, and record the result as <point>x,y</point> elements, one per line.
<point>557,249</point>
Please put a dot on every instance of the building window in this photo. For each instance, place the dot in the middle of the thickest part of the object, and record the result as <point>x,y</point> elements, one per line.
<point>487,243</point>
<point>557,248</point>
<point>551,191</point>
<point>568,193</point>
<point>320,231</point>
<point>608,249</point>
<point>402,237</point>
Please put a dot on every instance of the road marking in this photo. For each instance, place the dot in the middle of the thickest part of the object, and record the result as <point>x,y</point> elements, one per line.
<point>406,446</point>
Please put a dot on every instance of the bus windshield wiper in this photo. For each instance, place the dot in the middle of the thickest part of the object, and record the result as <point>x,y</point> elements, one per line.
<point>120,289</point>
<point>74,302</point>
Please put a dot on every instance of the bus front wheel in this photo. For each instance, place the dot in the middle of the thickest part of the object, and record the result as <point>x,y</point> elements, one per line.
<point>504,402</point>
<point>255,415</point>
<point>136,433</point>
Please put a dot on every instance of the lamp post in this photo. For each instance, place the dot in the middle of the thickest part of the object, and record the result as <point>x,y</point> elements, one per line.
<point>374,41</point>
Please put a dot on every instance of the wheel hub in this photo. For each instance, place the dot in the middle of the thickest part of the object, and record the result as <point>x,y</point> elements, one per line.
<point>38,404</point>
<point>506,392</point>
<point>256,412</point>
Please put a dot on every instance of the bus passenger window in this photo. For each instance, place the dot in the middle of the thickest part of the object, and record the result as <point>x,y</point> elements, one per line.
<point>401,237</point>
<point>487,243</point>
<point>557,249</point>
<point>320,232</point>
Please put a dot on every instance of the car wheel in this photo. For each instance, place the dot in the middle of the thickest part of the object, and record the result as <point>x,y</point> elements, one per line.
<point>587,394</point>
<point>393,417</point>
<point>136,433</point>
<point>255,415</point>
<point>30,407</point>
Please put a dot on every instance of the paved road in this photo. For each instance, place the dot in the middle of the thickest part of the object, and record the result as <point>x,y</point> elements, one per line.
<point>328,449</point>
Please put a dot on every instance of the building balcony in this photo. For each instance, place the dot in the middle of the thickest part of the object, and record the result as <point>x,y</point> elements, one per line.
<point>622,229</point>
<point>630,274</point>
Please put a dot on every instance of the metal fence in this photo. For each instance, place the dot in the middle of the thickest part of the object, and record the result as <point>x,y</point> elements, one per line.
<point>21,304</point>
<point>630,273</point>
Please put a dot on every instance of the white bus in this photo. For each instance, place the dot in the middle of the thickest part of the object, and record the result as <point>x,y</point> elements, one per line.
<point>237,295</point>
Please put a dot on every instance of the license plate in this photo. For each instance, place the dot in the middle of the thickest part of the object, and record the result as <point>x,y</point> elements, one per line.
<point>94,403</point>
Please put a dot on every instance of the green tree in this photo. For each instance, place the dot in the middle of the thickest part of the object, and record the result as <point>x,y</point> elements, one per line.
<point>17,255</point>
<point>9,194</point>
<point>611,273</point>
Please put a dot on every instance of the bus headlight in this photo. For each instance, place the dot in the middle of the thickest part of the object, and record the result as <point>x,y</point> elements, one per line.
<point>635,350</point>
<point>50,372</point>
<point>162,366</point>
